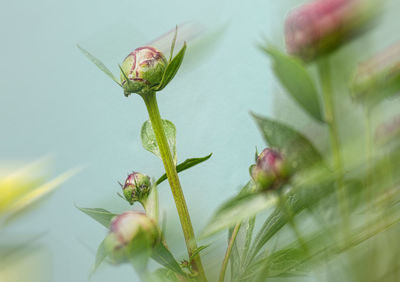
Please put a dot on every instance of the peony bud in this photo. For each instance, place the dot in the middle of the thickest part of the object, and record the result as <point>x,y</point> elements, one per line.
<point>321,26</point>
<point>136,187</point>
<point>271,169</point>
<point>378,77</point>
<point>144,68</point>
<point>124,229</point>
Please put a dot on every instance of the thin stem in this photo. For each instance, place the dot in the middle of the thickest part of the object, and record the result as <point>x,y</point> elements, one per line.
<point>228,252</point>
<point>368,180</point>
<point>170,169</point>
<point>324,71</point>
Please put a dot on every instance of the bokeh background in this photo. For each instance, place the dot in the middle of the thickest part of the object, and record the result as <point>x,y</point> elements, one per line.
<point>54,102</point>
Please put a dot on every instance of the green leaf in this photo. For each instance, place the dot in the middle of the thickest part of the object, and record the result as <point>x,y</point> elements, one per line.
<point>296,147</point>
<point>102,216</point>
<point>99,64</point>
<point>297,81</point>
<point>238,209</point>
<point>188,163</point>
<point>172,69</point>
<point>149,138</point>
<point>101,254</point>
<point>164,257</point>
<point>173,44</point>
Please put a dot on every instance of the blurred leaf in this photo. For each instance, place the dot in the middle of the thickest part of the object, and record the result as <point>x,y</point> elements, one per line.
<point>188,163</point>
<point>27,197</point>
<point>140,251</point>
<point>164,257</point>
<point>296,80</point>
<point>238,209</point>
<point>100,256</point>
<point>162,275</point>
<point>173,44</point>
<point>172,69</point>
<point>296,147</point>
<point>99,64</point>
<point>149,141</point>
<point>102,216</point>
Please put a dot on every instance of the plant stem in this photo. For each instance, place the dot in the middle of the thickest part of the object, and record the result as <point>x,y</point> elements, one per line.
<point>324,71</point>
<point>170,169</point>
<point>228,252</point>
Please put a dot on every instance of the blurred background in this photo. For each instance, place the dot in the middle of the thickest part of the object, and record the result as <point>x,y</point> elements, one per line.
<point>55,103</point>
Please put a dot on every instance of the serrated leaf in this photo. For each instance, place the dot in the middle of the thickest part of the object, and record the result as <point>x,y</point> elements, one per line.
<point>149,141</point>
<point>238,209</point>
<point>296,147</point>
<point>172,69</point>
<point>188,163</point>
<point>99,64</point>
<point>100,256</point>
<point>102,216</point>
<point>295,78</point>
<point>164,257</point>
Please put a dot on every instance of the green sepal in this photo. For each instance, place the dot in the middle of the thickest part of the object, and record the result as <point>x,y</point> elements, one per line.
<point>102,216</point>
<point>163,256</point>
<point>171,69</point>
<point>99,64</point>
<point>101,254</point>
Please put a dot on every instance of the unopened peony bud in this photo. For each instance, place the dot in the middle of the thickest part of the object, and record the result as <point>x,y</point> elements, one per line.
<point>136,188</point>
<point>321,26</point>
<point>124,229</point>
<point>144,69</point>
<point>271,169</point>
<point>378,77</point>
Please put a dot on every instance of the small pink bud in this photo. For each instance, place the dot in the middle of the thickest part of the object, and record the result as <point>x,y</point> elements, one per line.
<point>271,169</point>
<point>136,188</point>
<point>379,77</point>
<point>320,26</point>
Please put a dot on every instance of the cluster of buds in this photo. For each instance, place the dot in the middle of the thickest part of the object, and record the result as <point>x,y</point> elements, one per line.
<point>378,77</point>
<point>124,230</point>
<point>142,69</point>
<point>271,170</point>
<point>321,26</point>
<point>136,188</point>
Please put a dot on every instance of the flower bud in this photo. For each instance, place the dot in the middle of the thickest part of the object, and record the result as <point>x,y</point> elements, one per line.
<point>378,77</point>
<point>144,68</point>
<point>321,26</point>
<point>136,188</point>
<point>124,229</point>
<point>271,170</point>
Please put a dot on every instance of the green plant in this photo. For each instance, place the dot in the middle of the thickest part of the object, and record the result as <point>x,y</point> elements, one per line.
<point>352,201</point>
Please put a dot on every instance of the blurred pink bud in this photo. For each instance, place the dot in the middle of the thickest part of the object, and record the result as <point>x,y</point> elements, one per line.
<point>321,26</point>
<point>271,169</point>
<point>379,77</point>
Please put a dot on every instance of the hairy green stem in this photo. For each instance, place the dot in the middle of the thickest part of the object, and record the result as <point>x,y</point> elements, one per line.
<point>228,252</point>
<point>324,71</point>
<point>170,169</point>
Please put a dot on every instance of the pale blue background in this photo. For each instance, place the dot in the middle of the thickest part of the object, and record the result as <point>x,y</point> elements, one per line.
<point>54,101</point>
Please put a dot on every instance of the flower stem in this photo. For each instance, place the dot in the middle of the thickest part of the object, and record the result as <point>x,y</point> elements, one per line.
<point>228,252</point>
<point>324,71</point>
<point>170,169</point>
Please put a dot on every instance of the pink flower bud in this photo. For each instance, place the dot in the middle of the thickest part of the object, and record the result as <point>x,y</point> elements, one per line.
<point>136,188</point>
<point>271,169</point>
<point>379,77</point>
<point>144,68</point>
<point>319,27</point>
<point>124,229</point>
